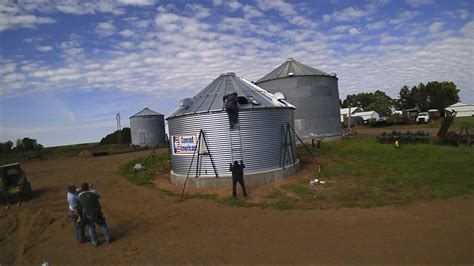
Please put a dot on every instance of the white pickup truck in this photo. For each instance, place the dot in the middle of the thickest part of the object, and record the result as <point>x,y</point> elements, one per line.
<point>423,118</point>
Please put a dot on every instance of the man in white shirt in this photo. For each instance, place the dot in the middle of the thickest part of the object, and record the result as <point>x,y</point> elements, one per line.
<point>75,212</point>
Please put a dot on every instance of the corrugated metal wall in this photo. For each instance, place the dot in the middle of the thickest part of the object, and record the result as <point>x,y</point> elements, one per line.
<point>262,137</point>
<point>316,99</point>
<point>152,126</point>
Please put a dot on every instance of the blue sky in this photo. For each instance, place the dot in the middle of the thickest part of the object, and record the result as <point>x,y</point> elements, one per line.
<point>67,67</point>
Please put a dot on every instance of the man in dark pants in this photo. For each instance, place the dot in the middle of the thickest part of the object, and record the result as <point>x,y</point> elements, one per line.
<point>93,213</point>
<point>238,176</point>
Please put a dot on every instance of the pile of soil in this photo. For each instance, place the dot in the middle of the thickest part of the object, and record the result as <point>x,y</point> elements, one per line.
<point>85,154</point>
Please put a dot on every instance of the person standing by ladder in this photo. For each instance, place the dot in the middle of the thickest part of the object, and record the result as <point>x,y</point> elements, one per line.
<point>238,176</point>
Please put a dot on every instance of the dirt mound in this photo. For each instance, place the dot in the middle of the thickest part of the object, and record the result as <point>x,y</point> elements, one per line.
<point>85,154</point>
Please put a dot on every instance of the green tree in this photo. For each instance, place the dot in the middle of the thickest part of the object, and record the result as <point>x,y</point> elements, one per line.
<point>441,95</point>
<point>434,95</point>
<point>370,101</point>
<point>113,137</point>
<point>27,144</point>
<point>6,147</point>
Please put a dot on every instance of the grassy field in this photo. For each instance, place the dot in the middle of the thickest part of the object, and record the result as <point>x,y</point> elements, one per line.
<point>153,166</point>
<point>61,152</point>
<point>459,122</point>
<point>359,172</point>
<point>364,173</point>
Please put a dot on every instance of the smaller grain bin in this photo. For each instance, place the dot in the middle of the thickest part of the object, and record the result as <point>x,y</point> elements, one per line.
<point>261,136</point>
<point>147,128</point>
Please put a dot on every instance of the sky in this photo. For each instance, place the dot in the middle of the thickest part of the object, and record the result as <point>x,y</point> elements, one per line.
<point>67,67</point>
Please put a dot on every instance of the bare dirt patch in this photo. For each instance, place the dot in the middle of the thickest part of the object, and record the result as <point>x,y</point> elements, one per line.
<point>150,227</point>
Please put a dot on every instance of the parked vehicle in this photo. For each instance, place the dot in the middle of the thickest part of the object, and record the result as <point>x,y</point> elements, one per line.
<point>423,118</point>
<point>14,182</point>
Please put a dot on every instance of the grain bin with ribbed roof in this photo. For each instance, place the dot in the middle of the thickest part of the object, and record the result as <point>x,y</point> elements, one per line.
<point>313,92</point>
<point>147,128</point>
<point>258,138</point>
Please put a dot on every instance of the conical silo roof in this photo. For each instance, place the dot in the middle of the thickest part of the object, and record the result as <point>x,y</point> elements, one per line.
<point>146,112</point>
<point>211,98</point>
<point>292,68</point>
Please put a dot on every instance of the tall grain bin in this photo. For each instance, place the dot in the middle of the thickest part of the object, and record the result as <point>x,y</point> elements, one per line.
<point>261,138</point>
<point>147,128</point>
<point>314,93</point>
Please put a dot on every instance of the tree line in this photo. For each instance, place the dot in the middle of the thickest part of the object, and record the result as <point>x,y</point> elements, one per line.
<point>25,144</point>
<point>433,95</point>
<point>29,144</point>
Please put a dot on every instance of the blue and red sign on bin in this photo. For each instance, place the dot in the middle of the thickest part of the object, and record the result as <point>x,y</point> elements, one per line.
<point>185,144</point>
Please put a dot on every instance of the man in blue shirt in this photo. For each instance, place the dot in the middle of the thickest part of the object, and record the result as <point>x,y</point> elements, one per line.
<point>75,212</point>
<point>93,213</point>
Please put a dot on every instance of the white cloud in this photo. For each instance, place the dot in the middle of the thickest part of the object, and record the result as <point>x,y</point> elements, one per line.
<point>418,3</point>
<point>126,45</point>
<point>137,2</point>
<point>127,33</point>
<point>354,31</point>
<point>105,29</point>
<point>194,52</point>
<point>468,30</point>
<point>376,25</point>
<point>404,16</point>
<point>286,9</point>
<point>347,14</point>
<point>217,2</point>
<point>462,14</point>
<point>199,10</point>
<point>45,48</point>
<point>234,4</point>
<point>12,21</point>
<point>341,28</point>
<point>436,26</point>
<point>251,12</point>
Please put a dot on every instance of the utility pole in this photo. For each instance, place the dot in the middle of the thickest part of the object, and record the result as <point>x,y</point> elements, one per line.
<point>349,122</point>
<point>119,129</point>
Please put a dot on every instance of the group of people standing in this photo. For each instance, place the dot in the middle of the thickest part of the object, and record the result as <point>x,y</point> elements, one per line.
<point>85,209</point>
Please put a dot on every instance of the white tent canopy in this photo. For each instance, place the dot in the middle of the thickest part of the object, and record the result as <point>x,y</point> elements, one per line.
<point>461,109</point>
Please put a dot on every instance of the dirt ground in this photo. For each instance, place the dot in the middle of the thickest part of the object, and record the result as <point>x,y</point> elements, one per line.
<point>152,228</point>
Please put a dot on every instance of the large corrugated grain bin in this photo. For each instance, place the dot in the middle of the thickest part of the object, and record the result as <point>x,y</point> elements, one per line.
<point>314,93</point>
<point>261,137</point>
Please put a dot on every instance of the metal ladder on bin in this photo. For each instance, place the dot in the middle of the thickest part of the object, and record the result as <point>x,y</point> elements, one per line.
<point>236,143</point>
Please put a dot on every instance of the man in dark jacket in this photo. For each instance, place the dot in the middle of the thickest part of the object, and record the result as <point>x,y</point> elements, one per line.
<point>93,213</point>
<point>231,105</point>
<point>238,176</point>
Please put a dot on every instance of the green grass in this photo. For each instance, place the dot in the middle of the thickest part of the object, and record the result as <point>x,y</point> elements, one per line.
<point>154,166</point>
<point>360,173</point>
<point>377,174</point>
<point>459,122</point>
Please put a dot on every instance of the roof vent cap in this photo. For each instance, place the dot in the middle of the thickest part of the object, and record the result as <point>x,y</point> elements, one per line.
<point>252,100</point>
<point>279,96</point>
<point>186,102</point>
<point>291,74</point>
